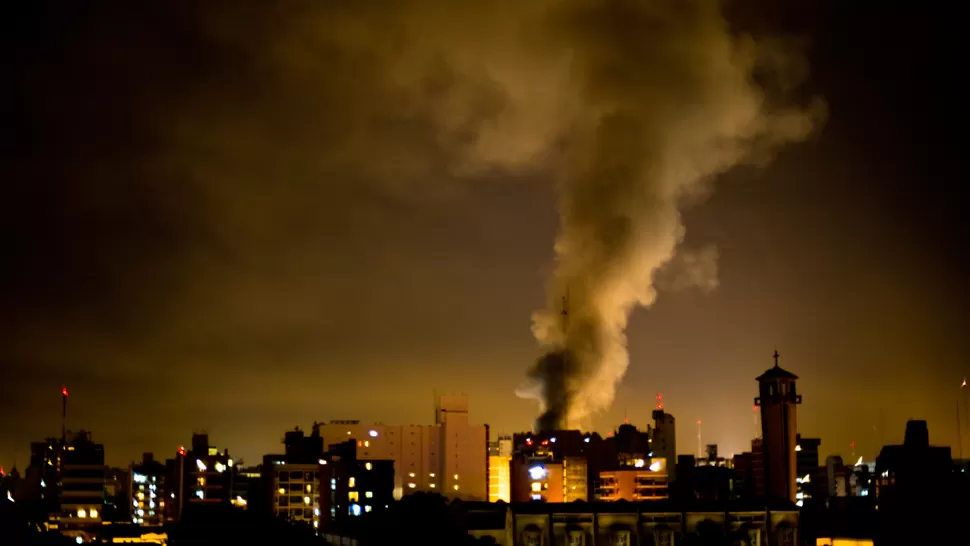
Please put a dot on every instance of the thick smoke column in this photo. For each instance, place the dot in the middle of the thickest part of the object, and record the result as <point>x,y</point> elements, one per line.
<point>669,101</point>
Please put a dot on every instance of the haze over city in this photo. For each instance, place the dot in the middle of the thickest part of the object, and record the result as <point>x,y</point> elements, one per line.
<point>231,224</point>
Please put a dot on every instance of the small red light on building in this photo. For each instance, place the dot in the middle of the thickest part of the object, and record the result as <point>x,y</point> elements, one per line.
<point>182,451</point>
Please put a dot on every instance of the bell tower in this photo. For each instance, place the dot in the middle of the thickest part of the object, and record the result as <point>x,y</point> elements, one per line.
<point>778,400</point>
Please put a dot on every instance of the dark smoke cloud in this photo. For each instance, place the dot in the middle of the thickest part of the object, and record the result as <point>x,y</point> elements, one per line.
<point>555,373</point>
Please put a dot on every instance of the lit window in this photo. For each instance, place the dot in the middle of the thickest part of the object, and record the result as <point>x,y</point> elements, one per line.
<point>368,466</point>
<point>316,511</point>
<point>141,496</point>
<point>353,496</point>
<point>367,508</point>
<point>352,482</point>
<point>411,474</point>
<point>373,434</point>
<point>537,487</point>
<point>412,485</point>
<point>306,500</point>
<point>432,486</point>
<point>229,462</point>
<point>282,491</point>
<point>309,488</point>
<point>82,513</point>
<point>432,474</point>
<point>369,494</point>
<point>798,448</point>
<point>198,493</point>
<point>456,487</point>
<point>366,443</point>
<point>355,509</point>
<point>316,524</point>
<point>200,464</point>
<point>93,513</point>
<point>456,476</point>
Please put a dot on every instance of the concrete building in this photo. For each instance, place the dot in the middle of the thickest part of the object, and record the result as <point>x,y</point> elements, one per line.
<point>778,400</point>
<point>203,476</point>
<point>294,477</point>
<point>82,486</point>
<point>449,457</point>
<point>499,470</point>
<point>146,501</point>
<point>806,466</point>
<point>563,463</point>
<point>351,486</point>
<point>647,482</point>
<point>663,438</point>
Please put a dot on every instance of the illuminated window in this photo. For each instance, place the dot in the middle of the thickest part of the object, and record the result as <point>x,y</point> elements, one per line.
<point>306,500</point>
<point>536,486</point>
<point>309,488</point>
<point>367,508</point>
<point>411,474</point>
<point>456,487</point>
<point>412,485</point>
<point>282,491</point>
<point>201,481</point>
<point>352,482</point>
<point>369,494</point>
<point>82,513</point>
<point>456,476</point>
<point>93,513</point>
<point>353,496</point>
<point>373,434</point>
<point>432,486</point>
<point>366,443</point>
<point>368,466</point>
<point>432,474</point>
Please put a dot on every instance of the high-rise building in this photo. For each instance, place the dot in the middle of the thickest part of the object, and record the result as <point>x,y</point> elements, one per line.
<point>499,470</point>
<point>82,485</point>
<point>294,477</point>
<point>663,440</point>
<point>146,489</point>
<point>554,466</point>
<point>203,476</point>
<point>807,465</point>
<point>778,400</point>
<point>449,457</point>
<point>351,486</point>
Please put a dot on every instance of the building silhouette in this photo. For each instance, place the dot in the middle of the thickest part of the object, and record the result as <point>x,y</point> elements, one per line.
<point>778,400</point>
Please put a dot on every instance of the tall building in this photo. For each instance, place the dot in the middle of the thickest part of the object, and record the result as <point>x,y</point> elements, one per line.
<point>778,400</point>
<point>663,439</point>
<point>646,481</point>
<point>146,489</point>
<point>449,457</point>
<point>499,470</point>
<point>806,466</point>
<point>554,466</point>
<point>203,476</point>
<point>82,485</point>
<point>294,477</point>
<point>352,486</point>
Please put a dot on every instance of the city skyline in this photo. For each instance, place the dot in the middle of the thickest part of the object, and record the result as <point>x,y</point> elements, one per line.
<point>187,255</point>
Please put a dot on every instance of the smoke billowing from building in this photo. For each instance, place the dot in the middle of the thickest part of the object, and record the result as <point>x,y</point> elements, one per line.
<point>669,101</point>
<point>288,113</point>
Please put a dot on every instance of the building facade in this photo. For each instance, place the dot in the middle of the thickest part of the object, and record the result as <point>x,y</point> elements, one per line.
<point>449,457</point>
<point>203,476</point>
<point>351,486</point>
<point>82,486</point>
<point>499,470</point>
<point>146,487</point>
<point>648,482</point>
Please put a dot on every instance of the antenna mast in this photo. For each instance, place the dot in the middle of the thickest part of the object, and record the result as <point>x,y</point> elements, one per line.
<point>565,350</point>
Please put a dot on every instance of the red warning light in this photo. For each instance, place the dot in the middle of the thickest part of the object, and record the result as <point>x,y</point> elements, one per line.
<point>698,421</point>
<point>626,421</point>
<point>64,391</point>
<point>528,441</point>
<point>182,451</point>
<point>754,408</point>
<point>851,444</point>
<point>660,406</point>
<point>660,396</point>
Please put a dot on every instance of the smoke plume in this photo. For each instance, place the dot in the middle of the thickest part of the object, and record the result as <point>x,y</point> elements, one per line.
<point>669,101</point>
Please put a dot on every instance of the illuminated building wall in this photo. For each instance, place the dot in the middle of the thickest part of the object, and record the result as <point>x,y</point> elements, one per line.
<point>449,457</point>
<point>648,482</point>
<point>499,470</point>
<point>146,491</point>
<point>536,480</point>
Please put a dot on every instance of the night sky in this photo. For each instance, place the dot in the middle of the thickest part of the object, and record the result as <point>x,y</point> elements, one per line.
<point>204,227</point>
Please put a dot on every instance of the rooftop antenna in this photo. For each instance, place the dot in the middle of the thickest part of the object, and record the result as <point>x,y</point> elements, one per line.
<point>700,445</point>
<point>63,414</point>
<point>565,352</point>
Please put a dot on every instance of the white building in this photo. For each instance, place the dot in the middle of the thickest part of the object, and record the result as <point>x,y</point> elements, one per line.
<point>449,457</point>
